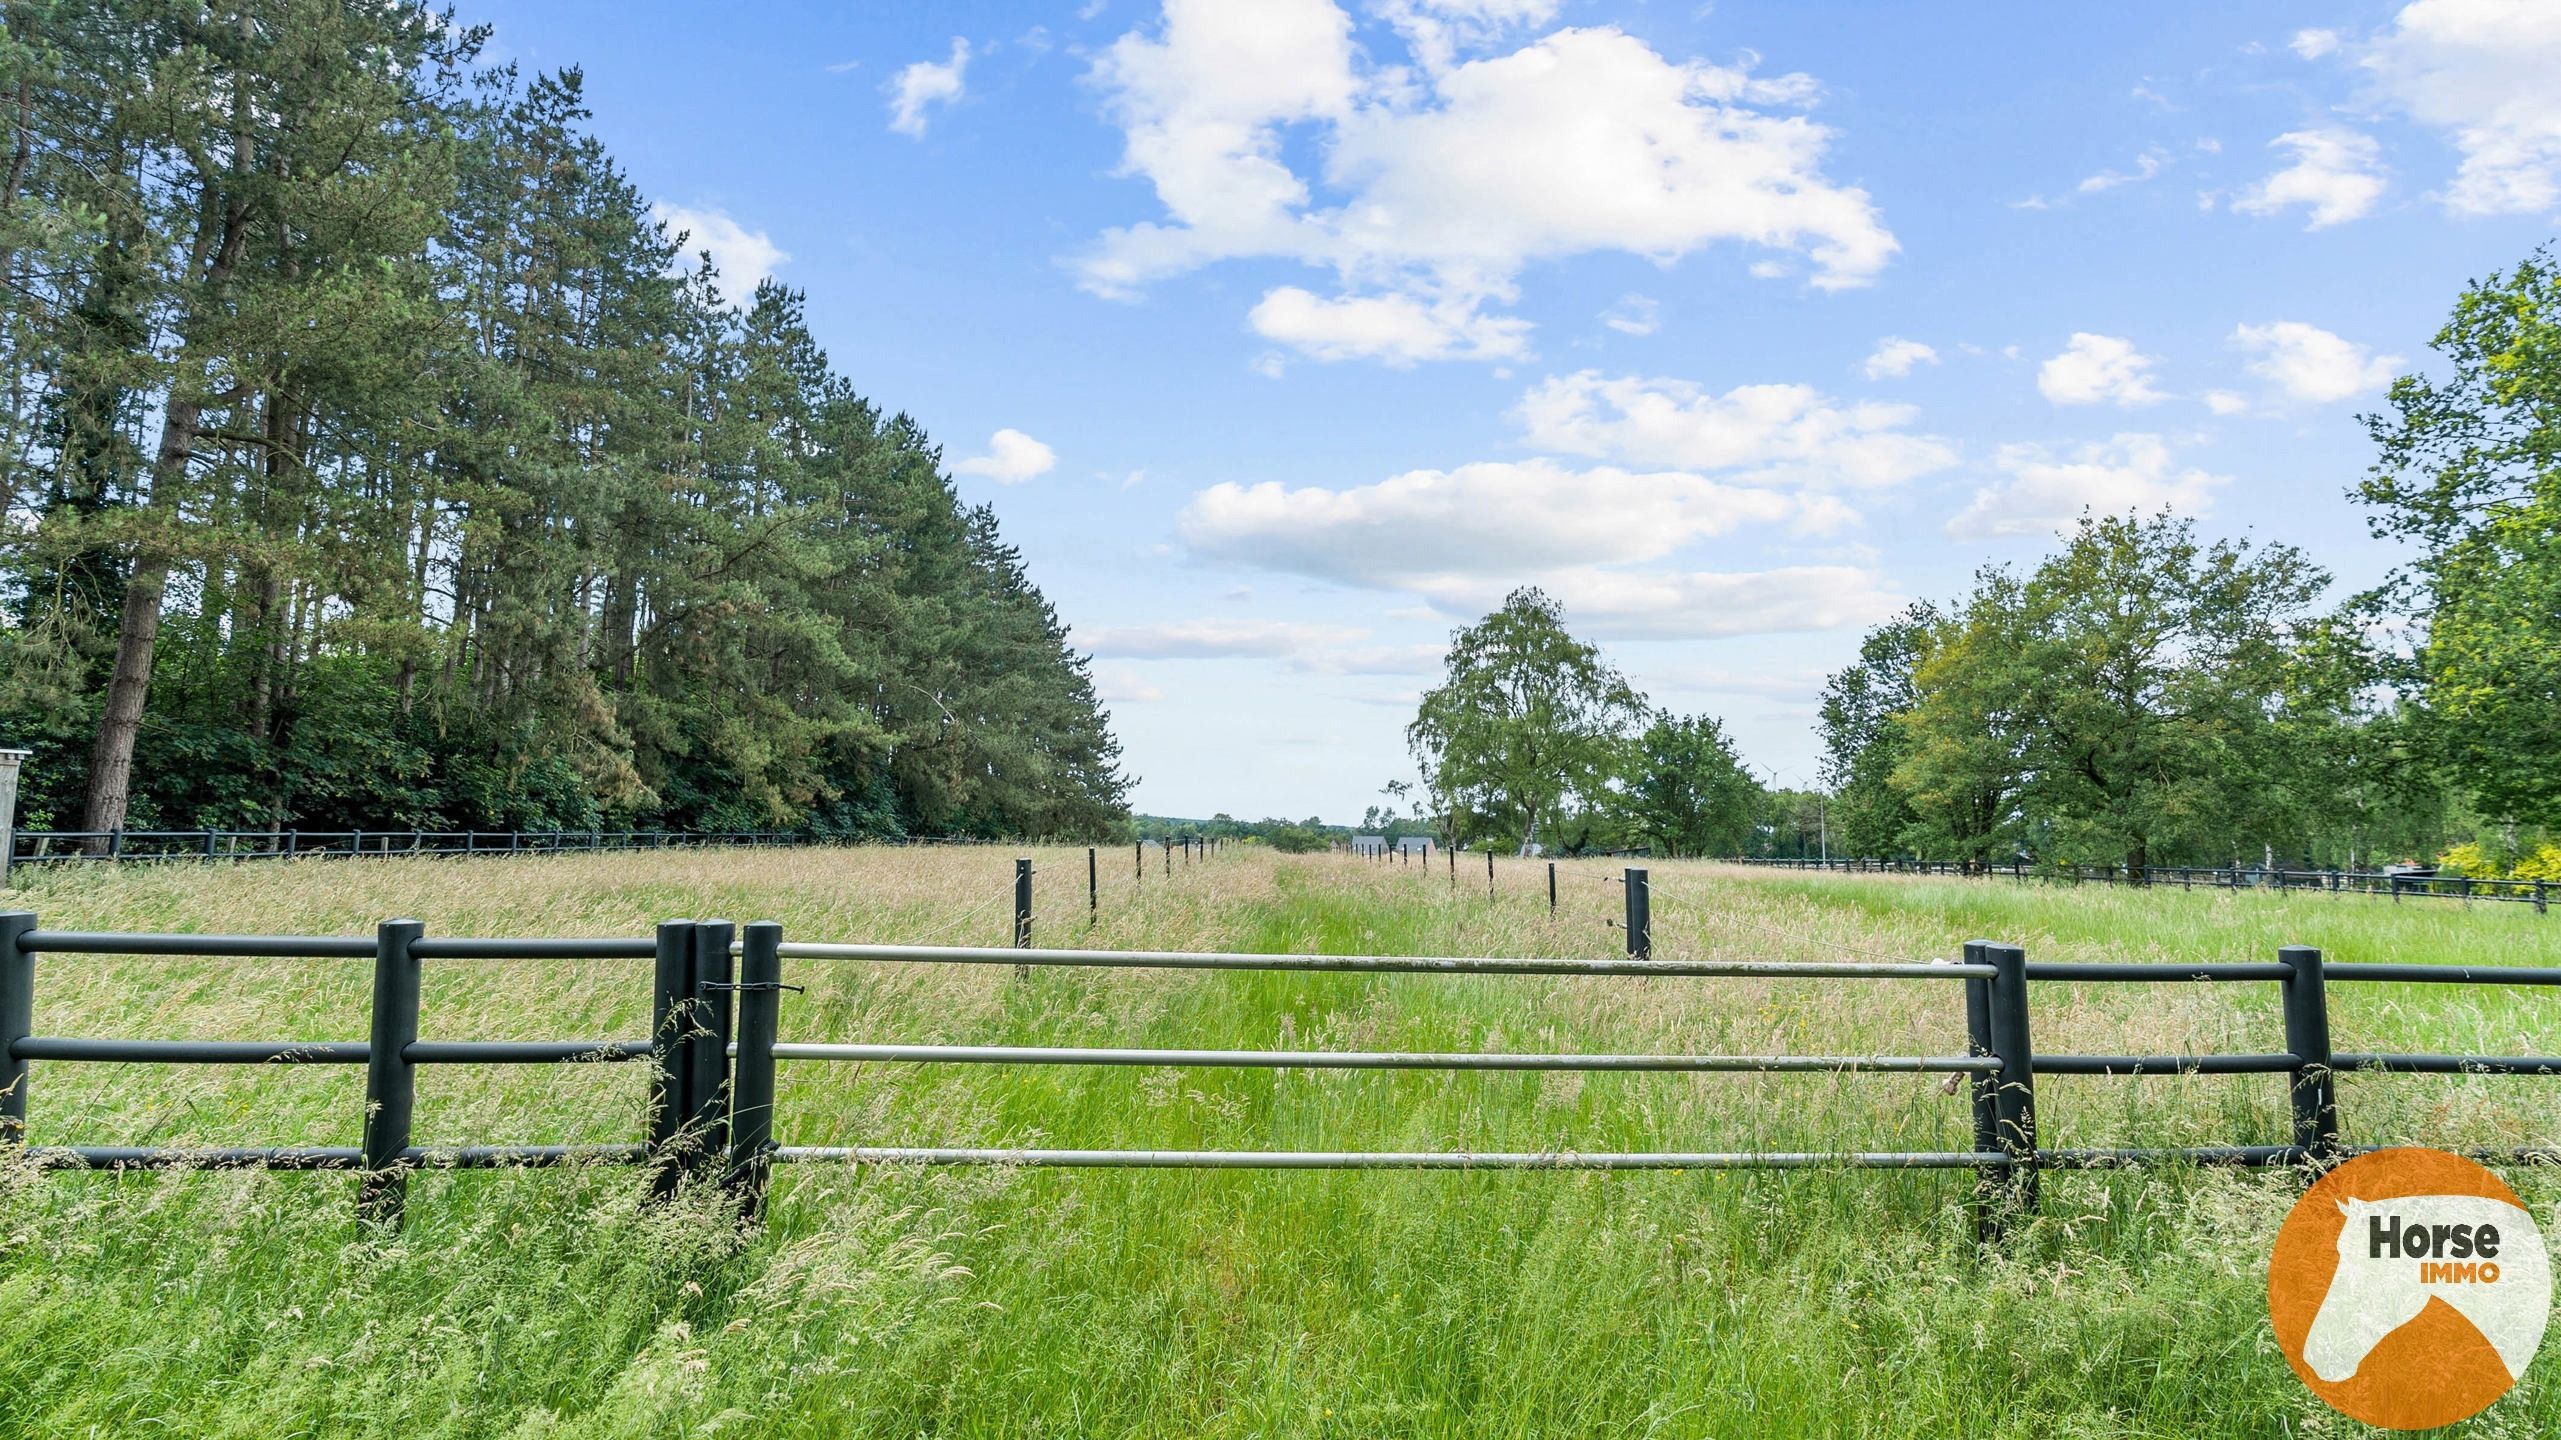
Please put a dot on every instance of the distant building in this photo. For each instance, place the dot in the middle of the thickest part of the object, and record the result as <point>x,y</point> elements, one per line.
<point>1369,844</point>
<point>1415,845</point>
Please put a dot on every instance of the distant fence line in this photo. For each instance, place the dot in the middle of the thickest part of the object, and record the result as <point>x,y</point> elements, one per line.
<point>2429,886</point>
<point>71,847</point>
<point>716,1038</point>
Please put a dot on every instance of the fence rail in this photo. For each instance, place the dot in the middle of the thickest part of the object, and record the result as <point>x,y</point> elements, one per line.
<point>717,1039</point>
<point>2427,886</point>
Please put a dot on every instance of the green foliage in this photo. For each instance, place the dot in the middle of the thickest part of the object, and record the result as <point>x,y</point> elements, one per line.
<point>2467,472</point>
<point>470,503</point>
<point>1526,718</point>
<point>1686,791</point>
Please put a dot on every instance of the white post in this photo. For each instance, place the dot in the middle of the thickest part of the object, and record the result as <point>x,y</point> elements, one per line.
<point>9,808</point>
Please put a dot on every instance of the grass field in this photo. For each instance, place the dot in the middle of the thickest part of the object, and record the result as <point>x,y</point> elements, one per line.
<point>1000,1302</point>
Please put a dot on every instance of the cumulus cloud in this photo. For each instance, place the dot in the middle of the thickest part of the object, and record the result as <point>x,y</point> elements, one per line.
<point>1012,457</point>
<point>1498,518</point>
<point>2481,71</point>
<point>1765,434</point>
<point>1441,184</point>
<point>925,84</point>
<point>745,258</point>
<point>1396,328</point>
<point>2308,363</point>
<point>2227,402</point>
<point>1895,356</point>
<point>2048,490</point>
<point>2095,369</point>
<point>2337,175</point>
<point>2313,44</point>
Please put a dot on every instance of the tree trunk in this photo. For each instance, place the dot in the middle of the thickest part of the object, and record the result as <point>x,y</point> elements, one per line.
<point>1529,842</point>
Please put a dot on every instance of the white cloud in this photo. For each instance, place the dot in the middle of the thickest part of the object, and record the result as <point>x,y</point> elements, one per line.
<point>1437,29</point>
<point>2312,365</point>
<point>2227,402</point>
<point>2146,165</point>
<point>1399,329</point>
<point>1217,639</point>
<point>1494,518</point>
<point>923,84</point>
<point>2098,368</point>
<point>1895,356</point>
<point>1692,604</point>
<point>1634,315</point>
<point>1122,685</point>
<point>1767,434</point>
<point>1012,457</point>
<point>2482,71</point>
<point>1440,186</point>
<point>2313,44</point>
<point>2337,174</point>
<point>744,257</point>
<point>2048,491</point>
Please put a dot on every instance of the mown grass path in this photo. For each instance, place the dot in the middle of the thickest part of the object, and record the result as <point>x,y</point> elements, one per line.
<point>999,1303</point>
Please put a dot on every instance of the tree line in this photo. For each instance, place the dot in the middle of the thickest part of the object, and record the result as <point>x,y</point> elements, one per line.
<point>2144,696</point>
<point>373,457</point>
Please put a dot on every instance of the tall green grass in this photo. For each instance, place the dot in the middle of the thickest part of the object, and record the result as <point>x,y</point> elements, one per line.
<point>904,1302</point>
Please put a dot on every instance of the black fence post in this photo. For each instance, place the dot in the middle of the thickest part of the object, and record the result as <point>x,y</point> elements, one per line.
<point>391,1082</point>
<point>1022,904</point>
<point>1640,916</point>
<point>2014,1097</point>
<point>17,1022</point>
<point>1093,887</point>
<point>2307,1038</point>
<point>706,1084</point>
<point>670,1053</point>
<point>751,1089</point>
<point>1551,889</point>
<point>1489,872</point>
<point>1983,1085</point>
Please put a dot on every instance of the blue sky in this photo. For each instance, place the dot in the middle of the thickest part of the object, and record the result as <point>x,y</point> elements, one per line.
<point>1285,336</point>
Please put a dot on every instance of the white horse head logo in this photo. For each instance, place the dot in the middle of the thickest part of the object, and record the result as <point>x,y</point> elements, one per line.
<point>2482,1256</point>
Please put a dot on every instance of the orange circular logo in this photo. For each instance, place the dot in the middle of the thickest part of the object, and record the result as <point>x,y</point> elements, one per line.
<point>2409,1288</point>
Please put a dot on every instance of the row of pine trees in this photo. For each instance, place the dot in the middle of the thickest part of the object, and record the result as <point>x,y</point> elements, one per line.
<point>372,458</point>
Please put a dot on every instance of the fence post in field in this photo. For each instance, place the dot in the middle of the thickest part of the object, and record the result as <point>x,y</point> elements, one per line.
<point>1141,848</point>
<point>1169,859</point>
<point>391,1082</point>
<point>1022,907</point>
<point>1983,1087</point>
<point>708,1065</point>
<point>2307,1038</point>
<point>17,1022</point>
<point>670,1054</point>
<point>2014,1096</point>
<point>1640,916</point>
<point>2538,885</point>
<point>1093,887</point>
<point>1551,889</point>
<point>9,809</point>
<point>1489,872</point>
<point>751,1089</point>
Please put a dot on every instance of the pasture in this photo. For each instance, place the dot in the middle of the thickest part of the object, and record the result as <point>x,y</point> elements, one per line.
<point>999,1301</point>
